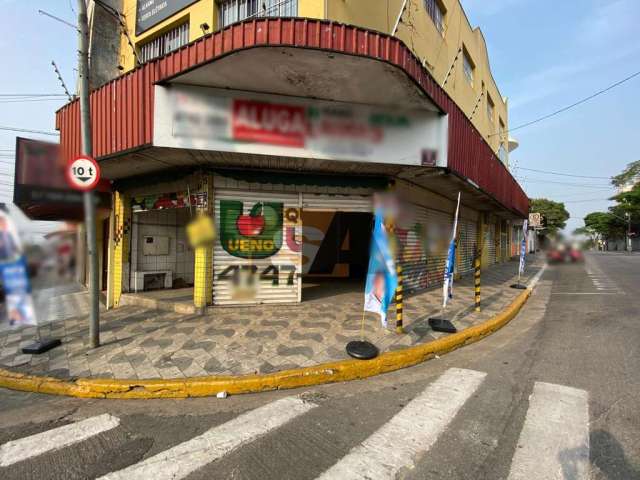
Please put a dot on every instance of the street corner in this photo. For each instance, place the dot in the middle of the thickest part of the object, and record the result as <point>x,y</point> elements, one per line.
<point>163,354</point>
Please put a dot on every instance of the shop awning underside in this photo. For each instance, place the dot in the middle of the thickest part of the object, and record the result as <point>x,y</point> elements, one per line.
<point>153,165</point>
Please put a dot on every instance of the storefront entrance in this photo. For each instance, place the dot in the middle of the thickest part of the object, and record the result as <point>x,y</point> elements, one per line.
<point>335,252</point>
<point>160,255</point>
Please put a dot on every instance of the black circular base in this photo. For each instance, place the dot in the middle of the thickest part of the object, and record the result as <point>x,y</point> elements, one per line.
<point>519,286</point>
<point>362,350</point>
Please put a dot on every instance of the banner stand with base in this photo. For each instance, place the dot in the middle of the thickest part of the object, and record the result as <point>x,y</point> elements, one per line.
<point>361,349</point>
<point>41,345</point>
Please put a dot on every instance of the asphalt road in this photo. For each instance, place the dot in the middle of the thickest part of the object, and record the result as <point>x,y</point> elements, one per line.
<point>554,394</point>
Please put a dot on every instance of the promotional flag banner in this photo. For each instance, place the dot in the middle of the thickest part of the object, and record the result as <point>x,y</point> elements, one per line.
<point>15,277</point>
<point>523,247</point>
<point>447,287</point>
<point>382,277</point>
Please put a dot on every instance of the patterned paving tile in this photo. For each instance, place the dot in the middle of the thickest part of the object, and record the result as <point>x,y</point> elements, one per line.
<point>141,343</point>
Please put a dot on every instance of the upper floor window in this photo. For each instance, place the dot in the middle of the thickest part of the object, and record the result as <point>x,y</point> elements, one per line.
<point>231,11</point>
<point>490,108</point>
<point>165,43</point>
<point>436,12</point>
<point>468,66</point>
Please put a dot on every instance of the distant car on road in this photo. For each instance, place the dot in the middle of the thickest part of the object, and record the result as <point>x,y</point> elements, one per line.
<point>576,255</point>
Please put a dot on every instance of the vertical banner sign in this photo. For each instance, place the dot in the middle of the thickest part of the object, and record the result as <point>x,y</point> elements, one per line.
<point>447,287</point>
<point>382,276</point>
<point>15,278</point>
<point>523,247</point>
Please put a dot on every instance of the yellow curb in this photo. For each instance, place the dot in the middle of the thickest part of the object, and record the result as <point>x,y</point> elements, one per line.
<point>340,371</point>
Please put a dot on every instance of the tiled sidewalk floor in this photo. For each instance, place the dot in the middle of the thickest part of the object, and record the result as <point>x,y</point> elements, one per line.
<point>141,343</point>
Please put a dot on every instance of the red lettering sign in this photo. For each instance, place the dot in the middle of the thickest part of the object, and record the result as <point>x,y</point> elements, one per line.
<point>262,122</point>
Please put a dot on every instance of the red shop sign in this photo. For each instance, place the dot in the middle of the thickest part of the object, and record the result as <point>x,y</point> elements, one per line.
<point>262,122</point>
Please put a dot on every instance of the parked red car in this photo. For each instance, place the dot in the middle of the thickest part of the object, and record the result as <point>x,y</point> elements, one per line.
<point>555,255</point>
<point>576,256</point>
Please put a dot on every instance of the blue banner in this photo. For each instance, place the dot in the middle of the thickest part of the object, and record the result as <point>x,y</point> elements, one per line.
<point>17,288</point>
<point>449,267</point>
<point>382,277</point>
<point>523,247</point>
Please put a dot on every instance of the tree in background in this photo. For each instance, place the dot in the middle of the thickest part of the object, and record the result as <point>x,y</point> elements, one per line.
<point>554,215</point>
<point>613,224</point>
<point>629,175</point>
<point>601,226</point>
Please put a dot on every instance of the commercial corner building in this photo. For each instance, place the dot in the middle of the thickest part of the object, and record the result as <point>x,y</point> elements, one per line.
<point>282,129</point>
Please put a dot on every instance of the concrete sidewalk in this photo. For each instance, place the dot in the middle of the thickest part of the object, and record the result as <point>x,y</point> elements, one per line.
<point>139,343</point>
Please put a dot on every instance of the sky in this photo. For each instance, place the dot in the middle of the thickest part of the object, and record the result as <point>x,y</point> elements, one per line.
<point>544,54</point>
<point>28,43</point>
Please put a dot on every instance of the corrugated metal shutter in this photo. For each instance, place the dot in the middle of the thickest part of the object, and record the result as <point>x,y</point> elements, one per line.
<point>263,233</point>
<point>490,243</point>
<point>504,242</point>
<point>466,246</point>
<point>414,257</point>
<point>439,235</point>
<point>336,202</point>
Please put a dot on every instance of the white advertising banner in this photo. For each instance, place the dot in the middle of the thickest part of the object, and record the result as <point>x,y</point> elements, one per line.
<point>221,120</point>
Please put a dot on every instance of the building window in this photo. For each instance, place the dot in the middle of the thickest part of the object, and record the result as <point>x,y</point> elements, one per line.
<point>232,11</point>
<point>468,66</point>
<point>165,43</point>
<point>490,108</point>
<point>436,12</point>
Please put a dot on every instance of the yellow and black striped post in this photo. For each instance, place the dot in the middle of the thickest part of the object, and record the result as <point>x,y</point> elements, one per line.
<point>399,328</point>
<point>477,277</point>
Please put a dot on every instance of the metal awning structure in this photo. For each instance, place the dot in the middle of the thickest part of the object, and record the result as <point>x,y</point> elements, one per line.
<point>292,57</point>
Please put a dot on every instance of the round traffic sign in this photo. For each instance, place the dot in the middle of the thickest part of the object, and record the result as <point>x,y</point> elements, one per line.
<point>83,173</point>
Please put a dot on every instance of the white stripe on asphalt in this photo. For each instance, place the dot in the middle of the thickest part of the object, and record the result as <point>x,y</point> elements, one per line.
<point>55,439</point>
<point>554,442</point>
<point>411,432</point>
<point>187,457</point>
<point>586,293</point>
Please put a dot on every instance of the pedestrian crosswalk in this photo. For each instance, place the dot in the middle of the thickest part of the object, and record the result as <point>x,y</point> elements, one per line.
<point>51,440</point>
<point>553,441</point>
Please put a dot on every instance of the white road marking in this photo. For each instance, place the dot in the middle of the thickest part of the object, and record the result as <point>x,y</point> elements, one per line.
<point>411,432</point>
<point>187,457</point>
<point>55,439</point>
<point>586,293</point>
<point>554,441</point>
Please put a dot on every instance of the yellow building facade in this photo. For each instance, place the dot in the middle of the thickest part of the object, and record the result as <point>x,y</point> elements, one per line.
<point>437,31</point>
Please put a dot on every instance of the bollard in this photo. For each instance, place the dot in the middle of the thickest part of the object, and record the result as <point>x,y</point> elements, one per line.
<point>477,278</point>
<point>399,328</point>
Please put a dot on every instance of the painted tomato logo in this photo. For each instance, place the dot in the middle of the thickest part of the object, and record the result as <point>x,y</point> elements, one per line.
<point>250,226</point>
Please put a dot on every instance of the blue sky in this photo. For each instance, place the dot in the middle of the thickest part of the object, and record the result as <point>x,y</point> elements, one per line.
<point>544,54</point>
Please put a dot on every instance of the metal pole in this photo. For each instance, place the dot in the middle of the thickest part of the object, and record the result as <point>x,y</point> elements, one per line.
<point>629,232</point>
<point>399,19</point>
<point>87,149</point>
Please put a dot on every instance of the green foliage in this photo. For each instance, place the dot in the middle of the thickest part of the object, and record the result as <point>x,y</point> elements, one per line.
<point>614,223</point>
<point>554,214</point>
<point>602,225</point>
<point>628,174</point>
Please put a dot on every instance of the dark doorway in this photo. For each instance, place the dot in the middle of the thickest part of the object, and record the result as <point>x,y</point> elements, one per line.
<point>335,252</point>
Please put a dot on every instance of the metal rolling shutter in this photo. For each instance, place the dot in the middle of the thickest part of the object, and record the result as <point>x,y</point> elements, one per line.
<point>439,235</point>
<point>413,256</point>
<point>504,242</point>
<point>265,260</point>
<point>466,246</point>
<point>490,243</point>
<point>336,202</point>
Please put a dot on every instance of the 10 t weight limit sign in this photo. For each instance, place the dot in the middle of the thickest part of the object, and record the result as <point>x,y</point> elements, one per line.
<point>83,173</point>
